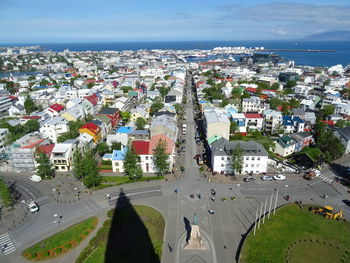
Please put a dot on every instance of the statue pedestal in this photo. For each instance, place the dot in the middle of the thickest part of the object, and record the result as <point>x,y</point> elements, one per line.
<point>195,241</point>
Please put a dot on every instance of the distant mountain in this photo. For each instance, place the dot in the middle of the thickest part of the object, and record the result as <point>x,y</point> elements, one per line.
<point>330,35</point>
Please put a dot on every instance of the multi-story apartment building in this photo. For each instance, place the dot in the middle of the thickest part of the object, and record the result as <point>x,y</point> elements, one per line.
<point>254,157</point>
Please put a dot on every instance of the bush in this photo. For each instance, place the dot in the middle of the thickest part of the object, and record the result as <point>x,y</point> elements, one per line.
<point>106,162</point>
<point>58,250</point>
<point>86,233</point>
<point>110,213</point>
<point>46,254</point>
<point>68,246</point>
<point>78,239</point>
<point>34,255</point>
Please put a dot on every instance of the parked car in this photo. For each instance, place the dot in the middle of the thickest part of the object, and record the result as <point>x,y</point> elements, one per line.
<point>211,211</point>
<point>183,149</point>
<point>279,177</point>
<point>212,191</point>
<point>248,179</point>
<point>266,178</point>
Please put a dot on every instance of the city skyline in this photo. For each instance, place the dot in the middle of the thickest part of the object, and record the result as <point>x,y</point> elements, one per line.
<point>80,21</point>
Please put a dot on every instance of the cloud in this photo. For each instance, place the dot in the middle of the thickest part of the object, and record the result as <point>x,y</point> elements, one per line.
<point>291,12</point>
<point>279,31</point>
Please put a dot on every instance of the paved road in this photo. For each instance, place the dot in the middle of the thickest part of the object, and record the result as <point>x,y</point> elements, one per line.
<point>231,220</point>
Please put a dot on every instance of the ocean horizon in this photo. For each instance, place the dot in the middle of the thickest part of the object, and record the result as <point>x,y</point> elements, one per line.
<point>341,56</point>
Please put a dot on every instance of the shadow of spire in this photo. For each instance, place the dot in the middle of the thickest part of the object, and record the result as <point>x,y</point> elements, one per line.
<point>128,238</point>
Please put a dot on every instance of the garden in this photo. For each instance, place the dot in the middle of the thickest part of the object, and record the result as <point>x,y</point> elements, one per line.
<point>61,242</point>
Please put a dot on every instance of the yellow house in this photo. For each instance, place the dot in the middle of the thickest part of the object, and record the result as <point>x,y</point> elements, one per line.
<point>93,130</point>
<point>68,116</point>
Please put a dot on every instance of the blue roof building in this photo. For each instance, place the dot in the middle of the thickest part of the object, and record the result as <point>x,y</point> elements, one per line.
<point>124,130</point>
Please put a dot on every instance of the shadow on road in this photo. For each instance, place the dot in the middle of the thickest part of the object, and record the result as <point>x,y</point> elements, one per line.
<point>342,173</point>
<point>128,238</point>
<point>188,228</point>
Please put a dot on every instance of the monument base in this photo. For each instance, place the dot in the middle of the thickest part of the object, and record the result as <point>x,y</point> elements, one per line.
<point>195,241</point>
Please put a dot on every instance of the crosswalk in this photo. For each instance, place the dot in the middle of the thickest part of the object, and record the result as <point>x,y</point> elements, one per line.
<point>326,178</point>
<point>6,244</point>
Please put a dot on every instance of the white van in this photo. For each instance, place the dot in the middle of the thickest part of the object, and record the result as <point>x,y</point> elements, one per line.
<point>184,126</point>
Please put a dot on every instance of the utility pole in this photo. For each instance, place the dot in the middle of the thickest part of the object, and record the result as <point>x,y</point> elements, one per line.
<point>270,206</point>
<point>256,219</point>
<point>274,210</point>
<point>260,215</point>
<point>264,211</point>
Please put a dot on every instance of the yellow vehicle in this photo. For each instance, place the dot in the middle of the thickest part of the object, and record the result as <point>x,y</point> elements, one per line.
<point>327,212</point>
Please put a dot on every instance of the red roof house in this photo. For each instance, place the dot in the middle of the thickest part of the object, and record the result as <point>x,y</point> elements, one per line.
<point>93,99</point>
<point>141,147</point>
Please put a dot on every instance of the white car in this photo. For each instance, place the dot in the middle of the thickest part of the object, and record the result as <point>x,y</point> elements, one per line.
<point>33,207</point>
<point>279,177</point>
<point>35,178</point>
<point>266,178</point>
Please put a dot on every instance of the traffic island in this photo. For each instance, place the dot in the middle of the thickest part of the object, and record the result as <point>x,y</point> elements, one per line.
<point>61,242</point>
<point>297,235</point>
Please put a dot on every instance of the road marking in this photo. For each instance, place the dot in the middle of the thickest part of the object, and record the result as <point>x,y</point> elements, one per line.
<point>7,242</point>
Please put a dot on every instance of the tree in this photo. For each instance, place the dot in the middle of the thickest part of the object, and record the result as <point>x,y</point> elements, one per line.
<point>294,103</point>
<point>132,167</point>
<point>31,126</point>
<point>126,89</point>
<point>164,90</point>
<point>275,86</point>
<point>233,127</point>
<point>291,83</point>
<point>237,159</point>
<point>29,105</point>
<point>156,106</point>
<point>78,164</point>
<point>5,194</point>
<point>342,124</point>
<point>91,175</point>
<point>45,168</point>
<point>161,158</point>
<point>116,146</point>
<point>236,93</point>
<point>179,108</point>
<point>125,115</point>
<point>274,102</point>
<point>327,110</point>
<point>140,123</point>
<point>102,148</point>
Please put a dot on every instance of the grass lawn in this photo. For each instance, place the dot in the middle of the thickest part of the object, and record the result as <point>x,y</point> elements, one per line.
<point>132,234</point>
<point>118,180</point>
<point>313,153</point>
<point>299,235</point>
<point>62,238</point>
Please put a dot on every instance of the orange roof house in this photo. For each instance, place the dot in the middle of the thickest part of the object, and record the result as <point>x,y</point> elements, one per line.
<point>93,130</point>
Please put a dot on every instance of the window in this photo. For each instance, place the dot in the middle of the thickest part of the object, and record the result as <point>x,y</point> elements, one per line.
<point>258,158</point>
<point>228,158</point>
<point>252,165</point>
<point>258,165</point>
<point>246,165</point>
<point>222,165</point>
<point>247,158</point>
<point>222,158</point>
<point>116,163</point>
<point>146,157</point>
<point>253,158</point>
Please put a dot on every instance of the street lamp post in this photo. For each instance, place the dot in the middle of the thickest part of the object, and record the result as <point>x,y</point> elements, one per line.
<point>260,215</point>
<point>256,219</point>
<point>264,211</point>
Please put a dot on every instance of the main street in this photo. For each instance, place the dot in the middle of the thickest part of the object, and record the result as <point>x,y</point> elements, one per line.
<point>222,232</point>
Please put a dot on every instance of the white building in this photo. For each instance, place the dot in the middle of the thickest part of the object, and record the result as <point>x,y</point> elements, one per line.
<point>54,128</point>
<point>216,124</point>
<point>254,160</point>
<point>62,155</point>
<point>273,120</point>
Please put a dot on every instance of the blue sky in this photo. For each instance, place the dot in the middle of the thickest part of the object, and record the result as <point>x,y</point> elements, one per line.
<point>40,21</point>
